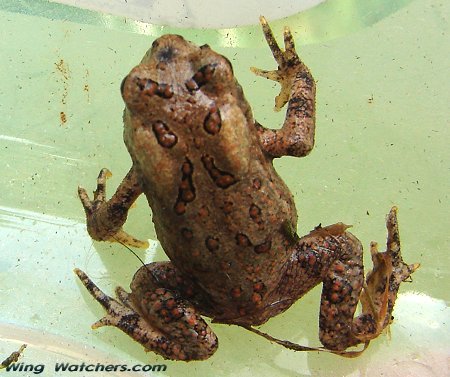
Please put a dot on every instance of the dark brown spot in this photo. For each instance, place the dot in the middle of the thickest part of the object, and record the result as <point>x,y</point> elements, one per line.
<point>170,303</point>
<point>259,287</point>
<point>256,298</point>
<point>165,137</point>
<point>203,212</point>
<point>212,244</point>
<point>187,233</point>
<point>186,190</point>
<point>227,207</point>
<point>191,85</point>
<point>225,180</point>
<point>236,292</point>
<point>186,168</point>
<point>263,247</point>
<point>334,298</point>
<point>256,184</point>
<point>191,100</point>
<point>254,212</point>
<point>187,195</point>
<point>213,122</point>
<point>184,184</point>
<point>162,66</point>
<point>221,178</point>
<point>176,313</point>
<point>195,252</point>
<point>242,240</point>
<point>197,142</point>
<point>165,91</point>
<point>202,76</point>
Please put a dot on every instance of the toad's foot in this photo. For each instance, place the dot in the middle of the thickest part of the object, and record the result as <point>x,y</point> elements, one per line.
<point>289,64</point>
<point>159,321</point>
<point>382,284</point>
<point>105,218</point>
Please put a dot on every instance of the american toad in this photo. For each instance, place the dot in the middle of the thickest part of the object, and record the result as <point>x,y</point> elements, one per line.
<point>223,215</point>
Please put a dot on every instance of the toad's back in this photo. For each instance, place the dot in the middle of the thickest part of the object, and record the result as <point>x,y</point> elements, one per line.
<point>219,207</point>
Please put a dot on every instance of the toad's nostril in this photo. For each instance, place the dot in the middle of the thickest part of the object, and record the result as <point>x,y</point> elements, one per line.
<point>166,54</point>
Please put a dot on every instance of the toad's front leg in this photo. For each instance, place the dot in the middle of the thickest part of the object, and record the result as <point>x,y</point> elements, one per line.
<point>298,89</point>
<point>155,315</point>
<point>105,218</point>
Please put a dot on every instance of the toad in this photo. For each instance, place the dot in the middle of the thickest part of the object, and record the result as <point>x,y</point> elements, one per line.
<point>223,215</point>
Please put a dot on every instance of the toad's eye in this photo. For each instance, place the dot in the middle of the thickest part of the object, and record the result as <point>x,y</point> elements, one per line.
<point>122,85</point>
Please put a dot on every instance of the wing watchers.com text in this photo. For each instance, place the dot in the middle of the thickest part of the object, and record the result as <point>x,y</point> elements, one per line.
<point>85,367</point>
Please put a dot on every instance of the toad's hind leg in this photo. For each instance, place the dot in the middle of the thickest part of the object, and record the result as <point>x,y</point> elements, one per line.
<point>334,256</point>
<point>340,295</point>
<point>342,286</point>
<point>155,316</point>
<point>382,284</point>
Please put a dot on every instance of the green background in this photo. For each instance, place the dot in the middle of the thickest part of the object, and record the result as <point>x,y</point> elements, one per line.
<point>382,138</point>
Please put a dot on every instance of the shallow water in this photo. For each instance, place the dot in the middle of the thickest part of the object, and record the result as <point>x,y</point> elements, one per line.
<point>382,139</point>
